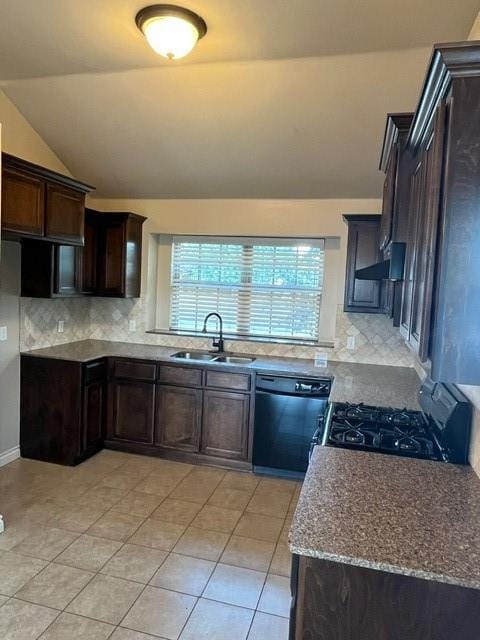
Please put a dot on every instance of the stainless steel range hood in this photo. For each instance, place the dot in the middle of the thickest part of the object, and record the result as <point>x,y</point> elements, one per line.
<point>389,269</point>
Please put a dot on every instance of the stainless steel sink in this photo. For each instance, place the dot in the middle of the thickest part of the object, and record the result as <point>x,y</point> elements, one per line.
<point>200,356</point>
<point>193,355</point>
<point>234,360</point>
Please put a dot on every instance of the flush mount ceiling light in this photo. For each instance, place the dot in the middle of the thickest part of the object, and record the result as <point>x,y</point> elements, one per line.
<point>171,31</point>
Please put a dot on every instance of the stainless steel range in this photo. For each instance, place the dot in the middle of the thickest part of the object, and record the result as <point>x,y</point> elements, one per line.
<point>441,431</point>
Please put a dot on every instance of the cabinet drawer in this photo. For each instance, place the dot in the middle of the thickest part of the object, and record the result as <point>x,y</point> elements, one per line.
<point>181,375</point>
<point>133,370</point>
<point>223,380</point>
<point>94,371</point>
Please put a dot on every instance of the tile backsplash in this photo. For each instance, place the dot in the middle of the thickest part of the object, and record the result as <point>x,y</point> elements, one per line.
<point>39,321</point>
<point>376,341</point>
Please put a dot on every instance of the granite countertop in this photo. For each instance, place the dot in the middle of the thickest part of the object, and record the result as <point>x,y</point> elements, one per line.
<point>378,385</point>
<point>402,515</point>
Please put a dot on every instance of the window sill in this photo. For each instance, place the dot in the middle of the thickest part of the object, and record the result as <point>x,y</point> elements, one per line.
<point>301,342</point>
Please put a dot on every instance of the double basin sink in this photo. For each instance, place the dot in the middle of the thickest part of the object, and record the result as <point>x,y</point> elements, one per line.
<point>214,358</point>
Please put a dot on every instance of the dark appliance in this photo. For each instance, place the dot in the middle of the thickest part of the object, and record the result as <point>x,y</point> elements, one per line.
<point>441,431</point>
<point>288,412</point>
<point>391,268</point>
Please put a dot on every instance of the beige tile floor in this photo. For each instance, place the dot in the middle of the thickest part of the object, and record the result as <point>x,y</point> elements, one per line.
<point>134,548</point>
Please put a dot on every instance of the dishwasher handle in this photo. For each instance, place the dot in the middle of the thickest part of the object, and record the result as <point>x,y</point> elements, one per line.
<point>303,387</point>
<point>313,387</point>
<point>317,436</point>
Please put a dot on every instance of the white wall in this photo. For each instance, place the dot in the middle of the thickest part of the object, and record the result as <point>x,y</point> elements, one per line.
<point>18,138</point>
<point>9,360</point>
<point>252,217</point>
<point>475,32</point>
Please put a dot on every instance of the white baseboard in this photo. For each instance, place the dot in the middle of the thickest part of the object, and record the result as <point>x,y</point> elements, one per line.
<point>9,456</point>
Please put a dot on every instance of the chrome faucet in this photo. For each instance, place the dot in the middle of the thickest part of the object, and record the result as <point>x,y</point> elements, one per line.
<point>217,344</point>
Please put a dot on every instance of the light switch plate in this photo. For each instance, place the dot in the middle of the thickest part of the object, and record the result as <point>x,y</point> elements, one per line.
<point>132,325</point>
<point>351,342</point>
<point>3,334</point>
<point>60,326</point>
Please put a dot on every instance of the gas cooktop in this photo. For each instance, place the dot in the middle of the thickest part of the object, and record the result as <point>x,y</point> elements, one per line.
<point>440,431</point>
<point>389,430</point>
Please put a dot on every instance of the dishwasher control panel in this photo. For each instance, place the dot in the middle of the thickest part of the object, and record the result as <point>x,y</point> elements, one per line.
<point>318,387</point>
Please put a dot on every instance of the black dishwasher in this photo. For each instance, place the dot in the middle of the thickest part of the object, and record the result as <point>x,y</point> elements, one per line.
<point>288,413</point>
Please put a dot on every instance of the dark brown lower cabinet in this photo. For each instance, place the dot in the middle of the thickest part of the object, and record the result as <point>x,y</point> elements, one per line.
<point>178,418</point>
<point>334,601</point>
<point>94,405</point>
<point>62,409</point>
<point>131,411</point>
<point>225,424</point>
<point>70,410</point>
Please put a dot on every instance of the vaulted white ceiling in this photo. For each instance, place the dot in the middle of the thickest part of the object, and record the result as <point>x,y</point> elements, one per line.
<point>282,98</point>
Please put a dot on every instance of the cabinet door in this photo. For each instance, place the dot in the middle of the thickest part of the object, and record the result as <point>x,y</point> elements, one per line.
<point>111,270</point>
<point>423,294</point>
<point>425,208</point>
<point>67,280</point>
<point>65,214</point>
<point>49,271</point>
<point>363,296</point>
<point>388,199</point>
<point>411,251</point>
<point>93,415</point>
<point>131,415</point>
<point>178,418</point>
<point>23,202</point>
<point>225,424</point>
<point>88,256</point>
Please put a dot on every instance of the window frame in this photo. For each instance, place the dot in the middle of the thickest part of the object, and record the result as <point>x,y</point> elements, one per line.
<point>241,333</point>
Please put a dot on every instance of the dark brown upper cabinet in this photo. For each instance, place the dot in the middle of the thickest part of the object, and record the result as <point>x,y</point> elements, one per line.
<point>418,296</point>
<point>441,297</point>
<point>50,270</point>
<point>363,296</point>
<point>112,258</point>
<point>394,162</point>
<point>23,203</point>
<point>39,203</point>
<point>394,220</point>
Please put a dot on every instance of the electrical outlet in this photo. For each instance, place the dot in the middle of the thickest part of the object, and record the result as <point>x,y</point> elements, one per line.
<point>321,359</point>
<point>2,524</point>
<point>351,342</point>
<point>3,334</point>
<point>132,325</point>
<point>61,326</point>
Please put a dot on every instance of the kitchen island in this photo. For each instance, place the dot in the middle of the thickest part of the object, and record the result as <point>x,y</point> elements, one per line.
<point>386,548</point>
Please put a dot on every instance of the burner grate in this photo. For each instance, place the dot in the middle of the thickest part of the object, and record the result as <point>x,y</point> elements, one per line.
<point>369,428</point>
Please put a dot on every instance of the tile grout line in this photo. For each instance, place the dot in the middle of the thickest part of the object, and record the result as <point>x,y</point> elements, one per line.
<point>169,552</point>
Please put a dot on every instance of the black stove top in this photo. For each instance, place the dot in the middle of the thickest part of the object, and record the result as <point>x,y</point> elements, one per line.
<point>386,430</point>
<point>440,431</point>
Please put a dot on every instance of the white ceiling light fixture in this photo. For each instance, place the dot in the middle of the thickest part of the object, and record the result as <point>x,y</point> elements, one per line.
<point>171,31</point>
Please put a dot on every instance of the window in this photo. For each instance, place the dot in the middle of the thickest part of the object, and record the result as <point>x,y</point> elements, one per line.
<point>261,287</point>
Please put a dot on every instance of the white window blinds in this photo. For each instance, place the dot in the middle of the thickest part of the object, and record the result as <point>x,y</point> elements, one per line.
<point>261,287</point>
